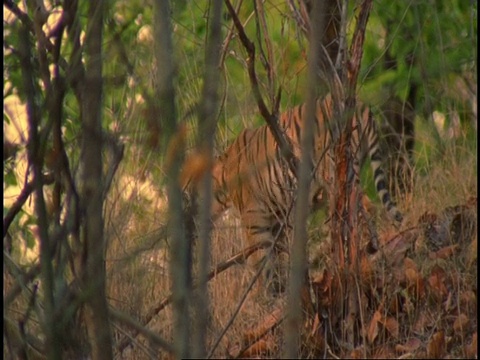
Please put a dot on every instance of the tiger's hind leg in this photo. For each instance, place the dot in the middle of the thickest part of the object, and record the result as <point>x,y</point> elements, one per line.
<point>273,258</point>
<point>277,267</point>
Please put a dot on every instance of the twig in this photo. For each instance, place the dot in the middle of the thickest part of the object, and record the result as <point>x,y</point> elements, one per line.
<point>23,278</point>
<point>117,150</point>
<point>262,334</point>
<point>148,351</point>
<point>22,198</point>
<point>139,328</point>
<point>28,23</point>
<point>268,59</point>
<point>24,18</point>
<point>228,38</point>
<point>343,38</point>
<point>300,16</point>
<point>356,47</point>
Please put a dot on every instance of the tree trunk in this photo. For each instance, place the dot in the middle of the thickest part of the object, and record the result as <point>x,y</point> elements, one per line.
<point>298,260</point>
<point>173,146</point>
<point>96,314</point>
<point>207,126</point>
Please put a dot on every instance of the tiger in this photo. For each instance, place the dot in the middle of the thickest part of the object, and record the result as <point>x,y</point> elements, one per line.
<point>253,176</point>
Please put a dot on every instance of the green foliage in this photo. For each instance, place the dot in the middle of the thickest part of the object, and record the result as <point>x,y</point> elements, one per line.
<point>439,36</point>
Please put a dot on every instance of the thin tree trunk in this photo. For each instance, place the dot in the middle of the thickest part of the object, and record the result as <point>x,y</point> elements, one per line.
<point>298,272</point>
<point>207,126</point>
<point>173,146</point>
<point>96,313</point>
<point>36,152</point>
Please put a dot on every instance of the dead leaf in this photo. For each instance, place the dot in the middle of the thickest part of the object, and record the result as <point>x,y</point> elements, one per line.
<point>322,288</point>
<point>316,324</point>
<point>398,275</point>
<point>358,353</point>
<point>460,324</point>
<point>471,350</point>
<point>373,327</point>
<point>395,305</point>
<point>410,264</point>
<point>471,257</point>
<point>261,347</point>
<point>366,271</point>
<point>411,276</point>
<point>411,271</point>
<point>444,253</point>
<point>410,346</point>
<point>436,347</point>
<point>415,284</point>
<point>437,282</point>
<point>233,351</point>
<point>420,288</point>
<point>367,204</point>
<point>392,326</point>
<point>384,352</point>
<point>421,354</point>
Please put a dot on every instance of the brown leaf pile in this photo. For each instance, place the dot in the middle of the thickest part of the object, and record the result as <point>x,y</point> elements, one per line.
<point>413,304</point>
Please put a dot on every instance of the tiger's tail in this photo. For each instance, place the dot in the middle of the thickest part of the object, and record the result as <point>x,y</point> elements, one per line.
<point>378,173</point>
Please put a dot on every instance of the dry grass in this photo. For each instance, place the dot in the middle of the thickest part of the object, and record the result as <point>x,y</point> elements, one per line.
<point>425,306</point>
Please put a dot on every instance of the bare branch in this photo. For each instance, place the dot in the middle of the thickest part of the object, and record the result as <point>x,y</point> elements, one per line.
<point>356,47</point>
<point>22,198</point>
<point>268,59</point>
<point>24,18</point>
<point>36,152</point>
<point>300,15</point>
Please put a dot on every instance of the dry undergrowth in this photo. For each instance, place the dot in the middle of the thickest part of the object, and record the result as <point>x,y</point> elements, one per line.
<point>418,292</point>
